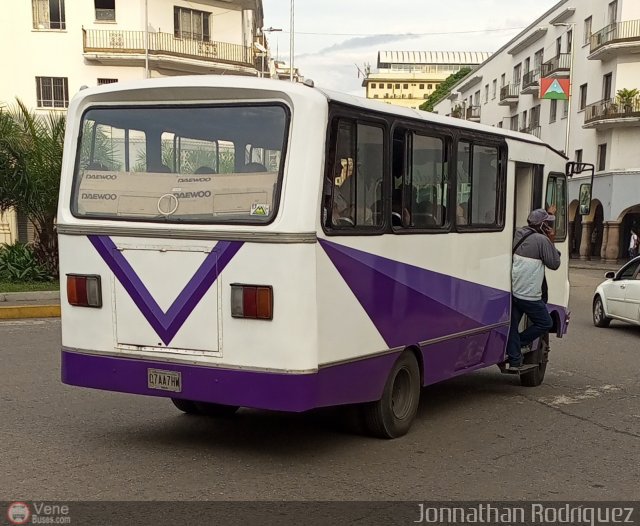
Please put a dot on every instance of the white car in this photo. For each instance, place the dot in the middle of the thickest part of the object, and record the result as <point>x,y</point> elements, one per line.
<point>618,298</point>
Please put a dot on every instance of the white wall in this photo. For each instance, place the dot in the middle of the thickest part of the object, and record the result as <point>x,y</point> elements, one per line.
<point>29,53</point>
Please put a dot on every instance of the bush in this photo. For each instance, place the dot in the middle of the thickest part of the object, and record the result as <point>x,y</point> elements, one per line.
<point>18,262</point>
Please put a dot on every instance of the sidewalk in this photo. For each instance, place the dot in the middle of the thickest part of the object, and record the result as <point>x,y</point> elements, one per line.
<point>595,264</point>
<point>17,305</point>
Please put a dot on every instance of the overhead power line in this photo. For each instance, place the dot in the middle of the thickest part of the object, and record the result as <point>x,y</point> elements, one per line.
<point>407,34</point>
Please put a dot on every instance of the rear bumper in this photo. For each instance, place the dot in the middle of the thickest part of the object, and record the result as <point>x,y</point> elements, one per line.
<point>348,383</point>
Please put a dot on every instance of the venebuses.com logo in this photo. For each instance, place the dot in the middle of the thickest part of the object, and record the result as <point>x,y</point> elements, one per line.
<point>18,513</point>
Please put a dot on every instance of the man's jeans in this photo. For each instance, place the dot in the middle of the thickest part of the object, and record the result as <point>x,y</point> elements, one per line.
<point>540,323</point>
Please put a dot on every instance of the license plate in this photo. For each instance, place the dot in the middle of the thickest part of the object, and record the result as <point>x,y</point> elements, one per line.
<point>164,380</point>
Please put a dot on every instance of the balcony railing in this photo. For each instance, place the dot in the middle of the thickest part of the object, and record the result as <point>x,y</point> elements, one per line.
<point>473,113</point>
<point>560,63</point>
<point>611,109</point>
<point>531,79</point>
<point>510,91</point>
<point>133,42</point>
<point>627,31</point>
<point>533,129</point>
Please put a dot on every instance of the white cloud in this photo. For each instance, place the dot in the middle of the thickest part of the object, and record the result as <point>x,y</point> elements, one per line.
<point>369,26</point>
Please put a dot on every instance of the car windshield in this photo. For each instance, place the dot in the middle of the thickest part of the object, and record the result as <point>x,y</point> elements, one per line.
<point>214,164</point>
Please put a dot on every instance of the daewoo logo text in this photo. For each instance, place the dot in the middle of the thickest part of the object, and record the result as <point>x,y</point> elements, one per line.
<point>193,195</point>
<point>100,197</point>
<point>109,177</point>
<point>194,180</point>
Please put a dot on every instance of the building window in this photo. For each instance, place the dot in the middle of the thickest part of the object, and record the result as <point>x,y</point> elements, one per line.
<point>375,96</point>
<point>426,95</point>
<point>389,86</point>
<point>578,156</point>
<point>523,124</point>
<point>494,89</point>
<point>430,86</point>
<point>606,86</point>
<point>558,46</point>
<point>52,92</point>
<point>105,10</point>
<point>397,86</point>
<point>517,74</point>
<point>101,82</point>
<point>486,93</point>
<point>565,109</point>
<point>554,110</point>
<point>191,24</point>
<point>373,85</point>
<point>583,96</point>
<point>513,124</point>
<point>569,41</point>
<point>499,124</point>
<point>48,14</point>
<point>613,12</point>
<point>478,185</point>
<point>405,86</point>
<point>503,80</point>
<point>587,29</point>
<point>602,157</point>
<point>538,59</point>
<point>421,86</point>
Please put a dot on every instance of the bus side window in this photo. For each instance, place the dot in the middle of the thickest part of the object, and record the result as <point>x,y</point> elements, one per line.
<point>353,193</point>
<point>557,196</point>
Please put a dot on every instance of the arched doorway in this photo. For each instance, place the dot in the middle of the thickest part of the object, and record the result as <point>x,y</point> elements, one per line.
<point>630,218</point>
<point>597,219</point>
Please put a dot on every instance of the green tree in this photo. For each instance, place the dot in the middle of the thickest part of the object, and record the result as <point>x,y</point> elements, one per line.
<point>30,165</point>
<point>443,89</point>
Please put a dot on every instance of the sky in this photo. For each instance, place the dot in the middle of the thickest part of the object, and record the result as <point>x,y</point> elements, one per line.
<point>332,37</point>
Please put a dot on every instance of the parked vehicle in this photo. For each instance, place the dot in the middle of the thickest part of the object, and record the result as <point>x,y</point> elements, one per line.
<point>618,298</point>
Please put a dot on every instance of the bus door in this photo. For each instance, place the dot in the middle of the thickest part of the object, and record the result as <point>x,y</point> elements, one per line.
<point>528,192</point>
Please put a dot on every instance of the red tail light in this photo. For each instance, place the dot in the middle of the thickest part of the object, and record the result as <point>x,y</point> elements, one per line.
<point>84,291</point>
<point>252,301</point>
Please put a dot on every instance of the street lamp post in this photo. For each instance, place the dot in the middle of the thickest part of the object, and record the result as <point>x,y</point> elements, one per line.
<point>572,26</point>
<point>264,43</point>
<point>291,42</point>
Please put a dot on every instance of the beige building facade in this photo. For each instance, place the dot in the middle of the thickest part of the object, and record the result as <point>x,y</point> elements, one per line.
<point>596,43</point>
<point>407,78</point>
<point>54,47</point>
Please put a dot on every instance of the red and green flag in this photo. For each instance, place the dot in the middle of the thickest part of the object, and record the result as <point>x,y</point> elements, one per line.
<point>557,89</point>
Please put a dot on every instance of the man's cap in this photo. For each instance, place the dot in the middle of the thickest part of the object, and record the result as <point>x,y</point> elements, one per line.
<point>539,216</point>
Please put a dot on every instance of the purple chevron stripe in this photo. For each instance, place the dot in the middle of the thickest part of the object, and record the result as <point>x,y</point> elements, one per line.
<point>409,304</point>
<point>166,324</point>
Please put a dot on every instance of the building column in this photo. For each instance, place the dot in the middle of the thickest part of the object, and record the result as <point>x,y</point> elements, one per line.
<point>570,234</point>
<point>613,242</point>
<point>585,244</point>
<point>605,239</point>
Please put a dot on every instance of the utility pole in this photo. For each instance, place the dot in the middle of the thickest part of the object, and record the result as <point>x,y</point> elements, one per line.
<point>291,42</point>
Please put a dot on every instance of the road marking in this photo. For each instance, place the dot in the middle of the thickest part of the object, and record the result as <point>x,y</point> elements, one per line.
<point>588,393</point>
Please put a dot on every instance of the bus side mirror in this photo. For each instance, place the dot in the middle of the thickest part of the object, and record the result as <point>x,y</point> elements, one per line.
<point>585,199</point>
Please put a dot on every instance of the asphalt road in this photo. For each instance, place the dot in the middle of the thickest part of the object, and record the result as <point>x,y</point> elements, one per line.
<point>477,437</point>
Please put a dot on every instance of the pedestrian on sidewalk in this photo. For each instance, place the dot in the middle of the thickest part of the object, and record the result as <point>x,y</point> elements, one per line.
<point>633,244</point>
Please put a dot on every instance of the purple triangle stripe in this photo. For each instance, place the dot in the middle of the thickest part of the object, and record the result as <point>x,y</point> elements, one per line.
<point>408,304</point>
<point>166,324</point>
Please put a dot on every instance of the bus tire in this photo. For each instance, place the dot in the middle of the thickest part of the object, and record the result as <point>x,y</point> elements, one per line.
<point>535,377</point>
<point>216,410</point>
<point>186,406</point>
<point>393,414</point>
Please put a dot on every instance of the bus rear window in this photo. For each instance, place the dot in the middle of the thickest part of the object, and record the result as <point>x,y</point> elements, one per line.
<point>216,164</point>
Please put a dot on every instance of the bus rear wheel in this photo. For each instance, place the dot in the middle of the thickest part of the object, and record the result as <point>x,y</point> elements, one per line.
<point>186,406</point>
<point>540,357</point>
<point>393,414</point>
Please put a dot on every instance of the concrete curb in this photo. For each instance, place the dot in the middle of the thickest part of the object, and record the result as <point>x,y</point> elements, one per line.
<point>30,311</point>
<point>44,295</point>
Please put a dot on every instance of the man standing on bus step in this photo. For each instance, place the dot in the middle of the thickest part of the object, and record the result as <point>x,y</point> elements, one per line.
<point>533,250</point>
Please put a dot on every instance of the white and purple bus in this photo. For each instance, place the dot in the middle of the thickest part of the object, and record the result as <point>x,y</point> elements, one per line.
<point>233,242</point>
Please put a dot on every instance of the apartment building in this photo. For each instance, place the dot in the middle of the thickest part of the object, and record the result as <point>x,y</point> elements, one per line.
<point>595,43</point>
<point>407,78</point>
<point>53,47</point>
